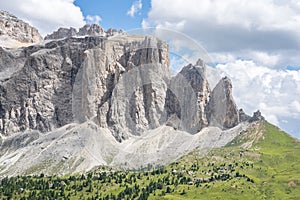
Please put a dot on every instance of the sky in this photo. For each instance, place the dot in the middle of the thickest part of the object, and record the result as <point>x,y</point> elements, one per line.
<point>255,43</point>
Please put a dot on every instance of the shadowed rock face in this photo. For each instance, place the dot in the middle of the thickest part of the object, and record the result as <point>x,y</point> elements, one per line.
<point>222,110</point>
<point>188,97</point>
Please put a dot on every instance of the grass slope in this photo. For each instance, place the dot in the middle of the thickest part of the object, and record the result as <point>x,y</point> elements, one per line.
<point>262,163</point>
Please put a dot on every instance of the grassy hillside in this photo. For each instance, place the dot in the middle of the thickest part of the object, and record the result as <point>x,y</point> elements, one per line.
<point>262,163</point>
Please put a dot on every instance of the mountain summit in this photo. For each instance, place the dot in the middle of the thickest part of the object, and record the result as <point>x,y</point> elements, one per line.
<point>92,97</point>
<point>15,32</point>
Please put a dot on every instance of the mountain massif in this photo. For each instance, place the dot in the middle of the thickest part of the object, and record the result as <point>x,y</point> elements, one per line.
<point>81,99</point>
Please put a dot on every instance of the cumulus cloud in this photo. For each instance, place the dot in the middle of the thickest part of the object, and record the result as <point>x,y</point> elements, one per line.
<point>135,8</point>
<point>268,28</point>
<point>274,92</point>
<point>46,16</point>
<point>95,19</point>
<point>271,60</point>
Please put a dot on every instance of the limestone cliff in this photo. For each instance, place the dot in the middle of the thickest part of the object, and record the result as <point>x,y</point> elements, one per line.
<point>188,97</point>
<point>119,81</point>
<point>76,79</point>
<point>222,110</point>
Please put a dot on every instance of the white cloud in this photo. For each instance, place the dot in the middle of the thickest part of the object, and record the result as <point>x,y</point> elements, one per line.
<point>135,8</point>
<point>145,24</point>
<point>95,19</point>
<point>268,28</point>
<point>274,92</point>
<point>260,57</point>
<point>46,16</point>
<point>296,105</point>
<point>264,58</point>
<point>222,57</point>
<point>262,15</point>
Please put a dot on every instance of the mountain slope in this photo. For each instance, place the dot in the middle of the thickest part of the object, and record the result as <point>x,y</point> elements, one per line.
<point>81,147</point>
<point>258,171</point>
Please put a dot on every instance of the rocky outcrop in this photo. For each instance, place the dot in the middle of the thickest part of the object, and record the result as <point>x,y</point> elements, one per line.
<point>256,117</point>
<point>243,116</point>
<point>87,30</point>
<point>246,118</point>
<point>187,98</point>
<point>13,28</point>
<point>222,110</point>
<point>62,33</point>
<point>92,30</point>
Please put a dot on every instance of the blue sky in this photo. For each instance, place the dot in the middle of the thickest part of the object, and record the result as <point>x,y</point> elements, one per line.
<point>255,43</point>
<point>114,12</point>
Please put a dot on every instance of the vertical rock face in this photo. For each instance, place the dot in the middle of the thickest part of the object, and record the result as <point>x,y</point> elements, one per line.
<point>222,110</point>
<point>79,79</point>
<point>116,85</point>
<point>39,95</point>
<point>15,29</point>
<point>188,97</point>
<point>10,62</point>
